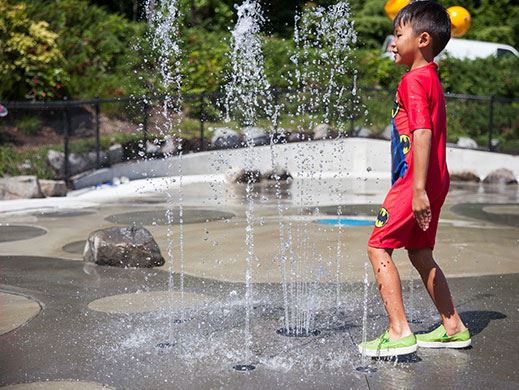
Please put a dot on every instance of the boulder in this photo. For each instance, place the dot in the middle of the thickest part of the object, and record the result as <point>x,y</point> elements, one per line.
<point>224,138</point>
<point>466,142</point>
<point>169,147</point>
<point>322,131</point>
<point>256,135</point>
<point>244,176</point>
<point>277,174</point>
<point>296,137</point>
<point>53,187</point>
<point>78,163</point>
<point>56,161</point>
<point>123,247</point>
<point>20,187</point>
<point>500,176</point>
<point>91,159</point>
<point>466,176</point>
<point>363,132</point>
<point>115,154</point>
<point>152,148</point>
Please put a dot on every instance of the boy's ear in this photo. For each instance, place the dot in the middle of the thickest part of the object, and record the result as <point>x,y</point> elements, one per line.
<point>424,40</point>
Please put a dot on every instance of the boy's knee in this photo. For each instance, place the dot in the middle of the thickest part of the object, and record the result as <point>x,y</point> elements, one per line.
<point>377,252</point>
<point>372,252</point>
<point>421,258</point>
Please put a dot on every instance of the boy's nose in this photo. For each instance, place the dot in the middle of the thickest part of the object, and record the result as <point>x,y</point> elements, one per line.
<point>392,45</point>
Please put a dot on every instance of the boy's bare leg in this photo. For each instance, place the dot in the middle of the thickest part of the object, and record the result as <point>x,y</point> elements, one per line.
<point>388,282</point>
<point>437,287</point>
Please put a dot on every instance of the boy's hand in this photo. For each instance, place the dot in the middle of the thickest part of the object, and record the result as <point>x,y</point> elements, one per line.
<point>422,209</point>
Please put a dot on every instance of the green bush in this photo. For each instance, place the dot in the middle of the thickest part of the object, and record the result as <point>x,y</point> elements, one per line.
<point>31,62</point>
<point>28,125</point>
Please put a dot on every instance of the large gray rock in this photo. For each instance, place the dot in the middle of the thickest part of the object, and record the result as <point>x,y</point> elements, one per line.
<point>115,154</point>
<point>278,174</point>
<point>169,147</point>
<point>20,187</point>
<point>466,142</point>
<point>53,187</point>
<point>500,176</point>
<point>322,131</point>
<point>152,147</point>
<point>243,176</point>
<point>56,161</point>
<point>224,137</point>
<point>363,132</point>
<point>466,176</point>
<point>123,247</point>
<point>256,135</point>
<point>78,163</point>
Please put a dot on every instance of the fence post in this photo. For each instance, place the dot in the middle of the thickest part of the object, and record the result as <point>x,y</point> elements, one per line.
<point>490,122</point>
<point>201,118</point>
<point>98,146</point>
<point>66,140</point>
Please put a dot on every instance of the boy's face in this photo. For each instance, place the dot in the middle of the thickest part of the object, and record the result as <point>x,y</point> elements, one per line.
<point>405,45</point>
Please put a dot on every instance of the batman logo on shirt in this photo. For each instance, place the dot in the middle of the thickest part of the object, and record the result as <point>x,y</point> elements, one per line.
<point>382,217</point>
<point>405,143</point>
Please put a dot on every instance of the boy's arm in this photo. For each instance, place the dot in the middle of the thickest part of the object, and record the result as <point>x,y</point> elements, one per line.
<point>421,150</point>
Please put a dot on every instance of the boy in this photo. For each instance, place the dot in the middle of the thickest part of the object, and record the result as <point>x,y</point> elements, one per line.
<point>420,182</point>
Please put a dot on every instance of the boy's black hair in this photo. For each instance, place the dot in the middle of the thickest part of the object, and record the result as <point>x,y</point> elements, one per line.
<point>427,16</point>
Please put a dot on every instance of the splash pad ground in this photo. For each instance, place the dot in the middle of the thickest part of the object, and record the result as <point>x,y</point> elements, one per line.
<point>87,326</point>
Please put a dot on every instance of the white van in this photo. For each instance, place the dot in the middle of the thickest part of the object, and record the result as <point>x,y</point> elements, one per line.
<point>465,49</point>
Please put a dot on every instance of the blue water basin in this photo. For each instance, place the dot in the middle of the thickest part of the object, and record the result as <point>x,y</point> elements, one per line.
<point>346,222</point>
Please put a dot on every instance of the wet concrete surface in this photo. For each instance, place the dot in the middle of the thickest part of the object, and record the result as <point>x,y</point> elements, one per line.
<point>118,346</point>
<point>68,340</point>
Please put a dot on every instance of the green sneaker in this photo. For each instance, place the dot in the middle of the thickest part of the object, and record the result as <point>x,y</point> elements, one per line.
<point>383,346</point>
<point>438,338</point>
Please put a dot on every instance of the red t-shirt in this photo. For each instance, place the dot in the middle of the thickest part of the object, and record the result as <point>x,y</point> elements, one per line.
<point>420,104</point>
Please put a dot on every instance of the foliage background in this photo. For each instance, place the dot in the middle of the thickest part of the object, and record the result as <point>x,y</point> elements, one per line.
<point>73,43</point>
<point>80,49</point>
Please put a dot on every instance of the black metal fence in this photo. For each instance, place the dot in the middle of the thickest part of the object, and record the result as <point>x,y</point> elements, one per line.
<point>92,125</point>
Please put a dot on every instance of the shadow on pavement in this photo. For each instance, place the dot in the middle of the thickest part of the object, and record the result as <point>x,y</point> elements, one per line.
<point>476,320</point>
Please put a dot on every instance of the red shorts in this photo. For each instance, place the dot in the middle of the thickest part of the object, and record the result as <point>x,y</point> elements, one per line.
<point>396,226</point>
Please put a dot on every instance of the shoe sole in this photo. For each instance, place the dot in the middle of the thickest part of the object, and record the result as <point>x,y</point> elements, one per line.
<point>439,344</point>
<point>389,352</point>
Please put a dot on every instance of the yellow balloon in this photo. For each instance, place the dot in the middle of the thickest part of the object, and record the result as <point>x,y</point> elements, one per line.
<point>460,20</point>
<point>393,6</point>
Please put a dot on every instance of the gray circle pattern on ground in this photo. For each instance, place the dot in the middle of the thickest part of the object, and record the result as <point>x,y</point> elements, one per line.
<point>477,211</point>
<point>75,247</point>
<point>143,302</point>
<point>9,233</point>
<point>158,217</point>
<point>16,310</point>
